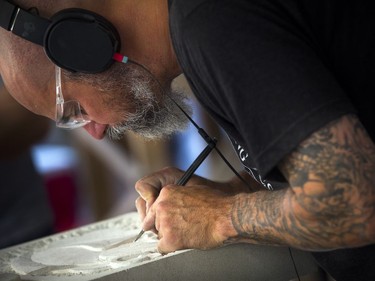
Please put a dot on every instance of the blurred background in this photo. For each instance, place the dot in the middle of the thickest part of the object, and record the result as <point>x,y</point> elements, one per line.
<point>52,180</point>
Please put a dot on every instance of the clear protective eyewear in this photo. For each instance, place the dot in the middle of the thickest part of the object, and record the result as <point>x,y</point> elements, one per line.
<point>68,114</point>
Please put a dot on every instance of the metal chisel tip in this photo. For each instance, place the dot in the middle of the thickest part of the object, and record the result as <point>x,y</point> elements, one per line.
<point>139,235</point>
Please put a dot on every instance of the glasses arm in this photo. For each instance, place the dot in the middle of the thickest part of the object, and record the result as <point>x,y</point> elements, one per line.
<point>59,96</point>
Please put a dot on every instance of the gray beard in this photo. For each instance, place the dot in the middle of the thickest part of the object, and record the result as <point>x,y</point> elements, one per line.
<point>154,122</point>
<point>156,115</point>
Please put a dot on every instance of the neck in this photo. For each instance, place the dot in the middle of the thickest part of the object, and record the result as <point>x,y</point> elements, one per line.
<point>144,29</point>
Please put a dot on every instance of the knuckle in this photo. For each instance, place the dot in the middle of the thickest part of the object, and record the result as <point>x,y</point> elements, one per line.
<point>162,208</point>
<point>167,190</point>
<point>139,185</point>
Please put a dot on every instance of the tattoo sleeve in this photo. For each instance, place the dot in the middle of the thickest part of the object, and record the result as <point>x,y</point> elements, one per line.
<point>331,199</point>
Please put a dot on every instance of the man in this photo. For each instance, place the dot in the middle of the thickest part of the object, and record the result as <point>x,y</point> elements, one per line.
<point>288,81</point>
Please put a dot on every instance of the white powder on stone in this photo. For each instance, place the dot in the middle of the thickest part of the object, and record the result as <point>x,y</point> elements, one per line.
<point>83,253</point>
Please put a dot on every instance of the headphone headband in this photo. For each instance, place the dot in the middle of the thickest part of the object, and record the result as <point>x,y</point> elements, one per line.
<point>22,23</point>
<point>74,39</point>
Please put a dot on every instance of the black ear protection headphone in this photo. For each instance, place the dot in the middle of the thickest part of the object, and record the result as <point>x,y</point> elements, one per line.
<point>74,39</point>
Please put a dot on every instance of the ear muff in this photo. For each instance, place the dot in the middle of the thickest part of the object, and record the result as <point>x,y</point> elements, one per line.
<point>81,41</point>
<point>74,39</point>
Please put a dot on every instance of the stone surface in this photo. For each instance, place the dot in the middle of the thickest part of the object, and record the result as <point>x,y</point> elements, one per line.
<point>85,254</point>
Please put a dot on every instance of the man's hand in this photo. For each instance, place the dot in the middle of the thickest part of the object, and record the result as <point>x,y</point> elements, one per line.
<point>149,188</point>
<point>196,216</point>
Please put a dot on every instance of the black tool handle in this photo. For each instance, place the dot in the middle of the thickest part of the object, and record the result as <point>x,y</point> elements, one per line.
<point>197,162</point>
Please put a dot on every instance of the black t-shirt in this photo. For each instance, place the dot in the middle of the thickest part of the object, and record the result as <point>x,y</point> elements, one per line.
<point>271,72</point>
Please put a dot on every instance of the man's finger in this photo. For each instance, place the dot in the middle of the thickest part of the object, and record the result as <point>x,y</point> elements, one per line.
<point>140,204</point>
<point>165,248</point>
<point>149,220</point>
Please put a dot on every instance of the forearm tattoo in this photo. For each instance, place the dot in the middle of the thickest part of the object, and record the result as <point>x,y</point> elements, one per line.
<point>331,199</point>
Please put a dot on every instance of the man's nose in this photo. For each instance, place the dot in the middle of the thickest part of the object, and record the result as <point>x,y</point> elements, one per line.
<point>96,130</point>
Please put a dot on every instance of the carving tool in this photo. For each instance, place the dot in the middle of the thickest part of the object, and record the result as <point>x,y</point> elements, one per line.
<point>190,171</point>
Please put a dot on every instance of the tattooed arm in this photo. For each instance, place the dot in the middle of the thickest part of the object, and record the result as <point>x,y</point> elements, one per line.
<point>331,201</point>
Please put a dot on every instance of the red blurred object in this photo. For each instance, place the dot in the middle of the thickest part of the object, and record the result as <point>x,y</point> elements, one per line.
<point>62,192</point>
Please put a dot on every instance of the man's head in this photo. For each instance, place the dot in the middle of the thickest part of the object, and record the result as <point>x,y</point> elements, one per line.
<point>125,96</point>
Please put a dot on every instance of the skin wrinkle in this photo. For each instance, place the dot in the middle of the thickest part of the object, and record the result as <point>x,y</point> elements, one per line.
<point>323,202</point>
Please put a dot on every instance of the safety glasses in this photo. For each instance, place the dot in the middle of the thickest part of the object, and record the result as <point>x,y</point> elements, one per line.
<point>69,114</point>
